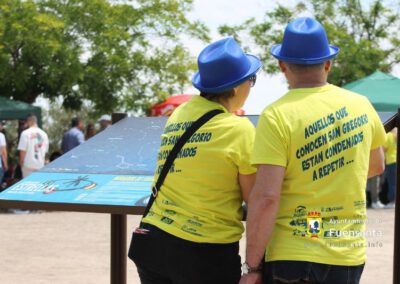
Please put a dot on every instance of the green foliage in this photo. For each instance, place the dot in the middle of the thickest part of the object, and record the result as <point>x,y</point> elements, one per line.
<point>11,133</point>
<point>366,34</point>
<point>119,55</point>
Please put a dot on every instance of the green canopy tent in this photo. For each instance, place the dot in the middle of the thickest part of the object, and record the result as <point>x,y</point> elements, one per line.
<point>383,90</point>
<point>11,109</point>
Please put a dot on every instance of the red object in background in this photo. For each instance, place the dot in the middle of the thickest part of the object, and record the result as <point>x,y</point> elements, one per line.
<point>167,108</point>
<point>240,112</point>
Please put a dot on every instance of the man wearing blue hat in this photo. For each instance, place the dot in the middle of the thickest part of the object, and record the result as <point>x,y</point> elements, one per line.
<point>314,148</point>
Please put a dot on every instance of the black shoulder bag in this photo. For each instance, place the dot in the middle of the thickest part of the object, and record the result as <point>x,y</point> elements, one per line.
<point>174,152</point>
<point>138,249</point>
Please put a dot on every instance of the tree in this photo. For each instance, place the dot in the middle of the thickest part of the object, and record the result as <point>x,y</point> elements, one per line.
<point>367,35</point>
<point>115,54</point>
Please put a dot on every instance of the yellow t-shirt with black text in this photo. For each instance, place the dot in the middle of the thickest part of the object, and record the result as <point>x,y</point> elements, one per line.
<point>390,149</point>
<point>323,137</point>
<point>200,199</point>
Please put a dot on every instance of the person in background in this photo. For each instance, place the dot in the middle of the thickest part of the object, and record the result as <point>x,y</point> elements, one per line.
<point>74,136</point>
<point>90,131</point>
<point>3,153</point>
<point>33,146</point>
<point>374,187</point>
<point>192,231</point>
<point>22,125</point>
<point>2,130</point>
<point>390,160</point>
<point>104,121</point>
<point>314,149</point>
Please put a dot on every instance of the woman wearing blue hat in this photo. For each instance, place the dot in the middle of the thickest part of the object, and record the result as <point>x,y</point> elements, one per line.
<point>191,230</point>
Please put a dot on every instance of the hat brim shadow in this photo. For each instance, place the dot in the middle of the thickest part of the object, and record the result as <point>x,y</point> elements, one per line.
<point>255,65</point>
<point>276,50</point>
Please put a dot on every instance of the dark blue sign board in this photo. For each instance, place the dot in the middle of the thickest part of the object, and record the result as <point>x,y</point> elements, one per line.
<point>126,148</point>
<point>114,168</point>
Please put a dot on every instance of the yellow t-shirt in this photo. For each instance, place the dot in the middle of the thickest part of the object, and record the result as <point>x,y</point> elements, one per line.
<point>200,199</point>
<point>323,137</point>
<point>390,149</point>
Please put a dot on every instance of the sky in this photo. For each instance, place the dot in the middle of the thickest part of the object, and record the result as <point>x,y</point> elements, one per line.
<point>215,13</point>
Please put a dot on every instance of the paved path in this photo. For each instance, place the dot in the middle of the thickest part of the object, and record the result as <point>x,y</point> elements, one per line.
<point>73,248</point>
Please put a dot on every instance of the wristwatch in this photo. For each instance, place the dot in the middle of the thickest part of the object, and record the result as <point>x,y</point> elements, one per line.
<point>246,269</point>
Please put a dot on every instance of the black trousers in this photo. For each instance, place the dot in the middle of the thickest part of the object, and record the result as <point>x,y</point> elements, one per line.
<point>162,258</point>
<point>297,272</point>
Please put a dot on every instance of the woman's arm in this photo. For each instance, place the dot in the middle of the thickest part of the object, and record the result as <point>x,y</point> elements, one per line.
<point>246,183</point>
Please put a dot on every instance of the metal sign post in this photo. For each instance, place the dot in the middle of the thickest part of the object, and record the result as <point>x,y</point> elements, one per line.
<point>396,252</point>
<point>118,236</point>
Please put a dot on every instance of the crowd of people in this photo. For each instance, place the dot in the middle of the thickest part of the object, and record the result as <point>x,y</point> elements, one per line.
<point>383,187</point>
<point>33,146</point>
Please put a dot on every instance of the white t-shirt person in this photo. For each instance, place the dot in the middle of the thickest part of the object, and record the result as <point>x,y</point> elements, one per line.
<point>2,144</point>
<point>35,143</point>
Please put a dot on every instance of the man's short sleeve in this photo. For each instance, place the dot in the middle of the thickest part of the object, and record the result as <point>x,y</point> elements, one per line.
<point>3,142</point>
<point>46,141</point>
<point>23,142</point>
<point>270,146</point>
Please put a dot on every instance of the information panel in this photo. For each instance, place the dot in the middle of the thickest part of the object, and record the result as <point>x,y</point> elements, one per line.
<point>113,168</point>
<point>81,189</point>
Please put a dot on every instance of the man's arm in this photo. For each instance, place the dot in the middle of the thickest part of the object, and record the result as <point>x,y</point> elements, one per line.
<point>81,137</point>
<point>22,154</point>
<point>4,157</point>
<point>263,207</point>
<point>22,147</point>
<point>376,162</point>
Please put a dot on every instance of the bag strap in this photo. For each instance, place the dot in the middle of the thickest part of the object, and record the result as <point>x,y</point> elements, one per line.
<point>174,152</point>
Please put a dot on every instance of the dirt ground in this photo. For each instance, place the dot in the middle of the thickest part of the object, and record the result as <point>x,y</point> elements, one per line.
<point>66,248</point>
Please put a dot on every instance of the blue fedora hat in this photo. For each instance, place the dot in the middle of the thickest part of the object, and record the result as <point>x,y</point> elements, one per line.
<point>223,65</point>
<point>304,42</point>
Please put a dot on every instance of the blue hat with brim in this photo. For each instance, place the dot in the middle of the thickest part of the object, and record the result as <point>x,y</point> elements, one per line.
<point>304,42</point>
<point>223,65</point>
